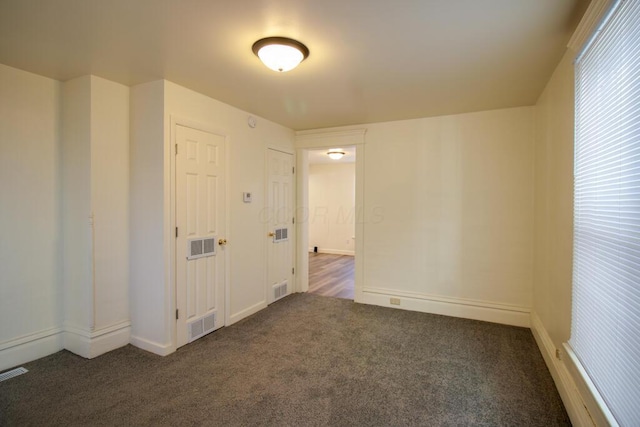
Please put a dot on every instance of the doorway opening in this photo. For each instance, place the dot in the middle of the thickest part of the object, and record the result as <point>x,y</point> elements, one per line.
<point>323,141</point>
<point>331,222</point>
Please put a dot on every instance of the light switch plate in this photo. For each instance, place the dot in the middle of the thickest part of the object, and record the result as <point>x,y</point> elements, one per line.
<point>246,197</point>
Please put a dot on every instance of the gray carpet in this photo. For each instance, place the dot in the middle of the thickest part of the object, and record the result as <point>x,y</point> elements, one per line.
<point>304,361</point>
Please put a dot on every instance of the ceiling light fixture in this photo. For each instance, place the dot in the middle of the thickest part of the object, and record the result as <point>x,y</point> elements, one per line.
<point>335,154</point>
<point>280,53</point>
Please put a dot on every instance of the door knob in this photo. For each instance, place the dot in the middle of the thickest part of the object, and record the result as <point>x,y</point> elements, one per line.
<point>222,242</point>
<point>271,234</point>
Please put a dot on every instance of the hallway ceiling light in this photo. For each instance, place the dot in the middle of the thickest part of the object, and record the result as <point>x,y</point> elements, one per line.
<point>280,53</point>
<point>335,154</point>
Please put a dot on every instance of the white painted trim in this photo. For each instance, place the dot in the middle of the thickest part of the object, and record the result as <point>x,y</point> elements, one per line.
<point>68,327</point>
<point>153,347</point>
<point>448,306</point>
<point>168,223</point>
<point>227,225</point>
<point>565,384</point>
<point>320,139</point>
<point>328,138</point>
<point>359,229</point>
<point>335,251</point>
<point>280,149</point>
<point>591,398</point>
<point>302,220</point>
<point>247,312</point>
<point>90,344</point>
<point>589,23</point>
<point>30,347</point>
<point>173,281</point>
<point>25,339</point>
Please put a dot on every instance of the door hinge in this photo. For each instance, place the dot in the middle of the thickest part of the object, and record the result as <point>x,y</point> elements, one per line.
<point>293,220</point>
<point>176,149</point>
<point>176,231</point>
<point>293,270</point>
<point>177,314</point>
<point>293,169</point>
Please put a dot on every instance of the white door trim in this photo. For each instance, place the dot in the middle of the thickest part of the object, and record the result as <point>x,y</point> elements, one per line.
<point>315,140</point>
<point>183,121</point>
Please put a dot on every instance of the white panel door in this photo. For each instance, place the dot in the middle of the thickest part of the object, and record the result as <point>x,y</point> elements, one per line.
<point>280,218</point>
<point>200,214</point>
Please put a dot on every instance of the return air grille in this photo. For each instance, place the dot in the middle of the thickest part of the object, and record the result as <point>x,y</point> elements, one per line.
<point>280,290</point>
<point>201,327</point>
<point>201,247</point>
<point>280,235</point>
<point>209,245</point>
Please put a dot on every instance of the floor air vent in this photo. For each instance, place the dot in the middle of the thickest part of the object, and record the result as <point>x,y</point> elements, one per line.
<point>201,327</point>
<point>280,290</point>
<point>12,373</point>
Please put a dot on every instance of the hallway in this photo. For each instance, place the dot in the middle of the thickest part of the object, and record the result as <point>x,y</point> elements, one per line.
<point>331,275</point>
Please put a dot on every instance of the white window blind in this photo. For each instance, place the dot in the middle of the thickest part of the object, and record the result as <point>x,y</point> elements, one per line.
<point>605,330</point>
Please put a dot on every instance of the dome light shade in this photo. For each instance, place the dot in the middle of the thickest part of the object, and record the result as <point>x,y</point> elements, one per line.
<point>280,53</point>
<point>335,154</point>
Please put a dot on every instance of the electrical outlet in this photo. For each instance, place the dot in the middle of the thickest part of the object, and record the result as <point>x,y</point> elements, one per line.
<point>395,301</point>
<point>558,354</point>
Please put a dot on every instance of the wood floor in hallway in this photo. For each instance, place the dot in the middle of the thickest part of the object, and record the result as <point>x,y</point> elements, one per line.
<point>331,275</point>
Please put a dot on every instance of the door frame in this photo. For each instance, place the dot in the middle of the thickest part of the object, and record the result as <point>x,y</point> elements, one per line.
<point>317,140</point>
<point>171,301</point>
<point>265,224</point>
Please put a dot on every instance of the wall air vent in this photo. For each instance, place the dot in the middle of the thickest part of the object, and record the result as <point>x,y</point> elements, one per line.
<point>201,247</point>
<point>201,327</point>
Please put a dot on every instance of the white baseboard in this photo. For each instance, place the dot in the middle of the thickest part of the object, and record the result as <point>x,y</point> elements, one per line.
<point>334,251</point>
<point>565,383</point>
<point>448,306</point>
<point>90,344</point>
<point>153,347</point>
<point>30,347</point>
<point>246,312</point>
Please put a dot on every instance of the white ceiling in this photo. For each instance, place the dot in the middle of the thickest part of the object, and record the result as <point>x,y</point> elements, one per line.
<point>370,61</point>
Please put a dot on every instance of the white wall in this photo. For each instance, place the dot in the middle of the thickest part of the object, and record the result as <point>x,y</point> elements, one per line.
<point>149,283</point>
<point>64,251</point>
<point>76,204</point>
<point>448,210</point>
<point>553,255</point>
<point>448,215</point>
<point>154,105</point>
<point>30,220</point>
<point>95,153</point>
<point>332,207</point>
<point>110,201</point>
<point>246,173</point>
<point>554,203</point>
